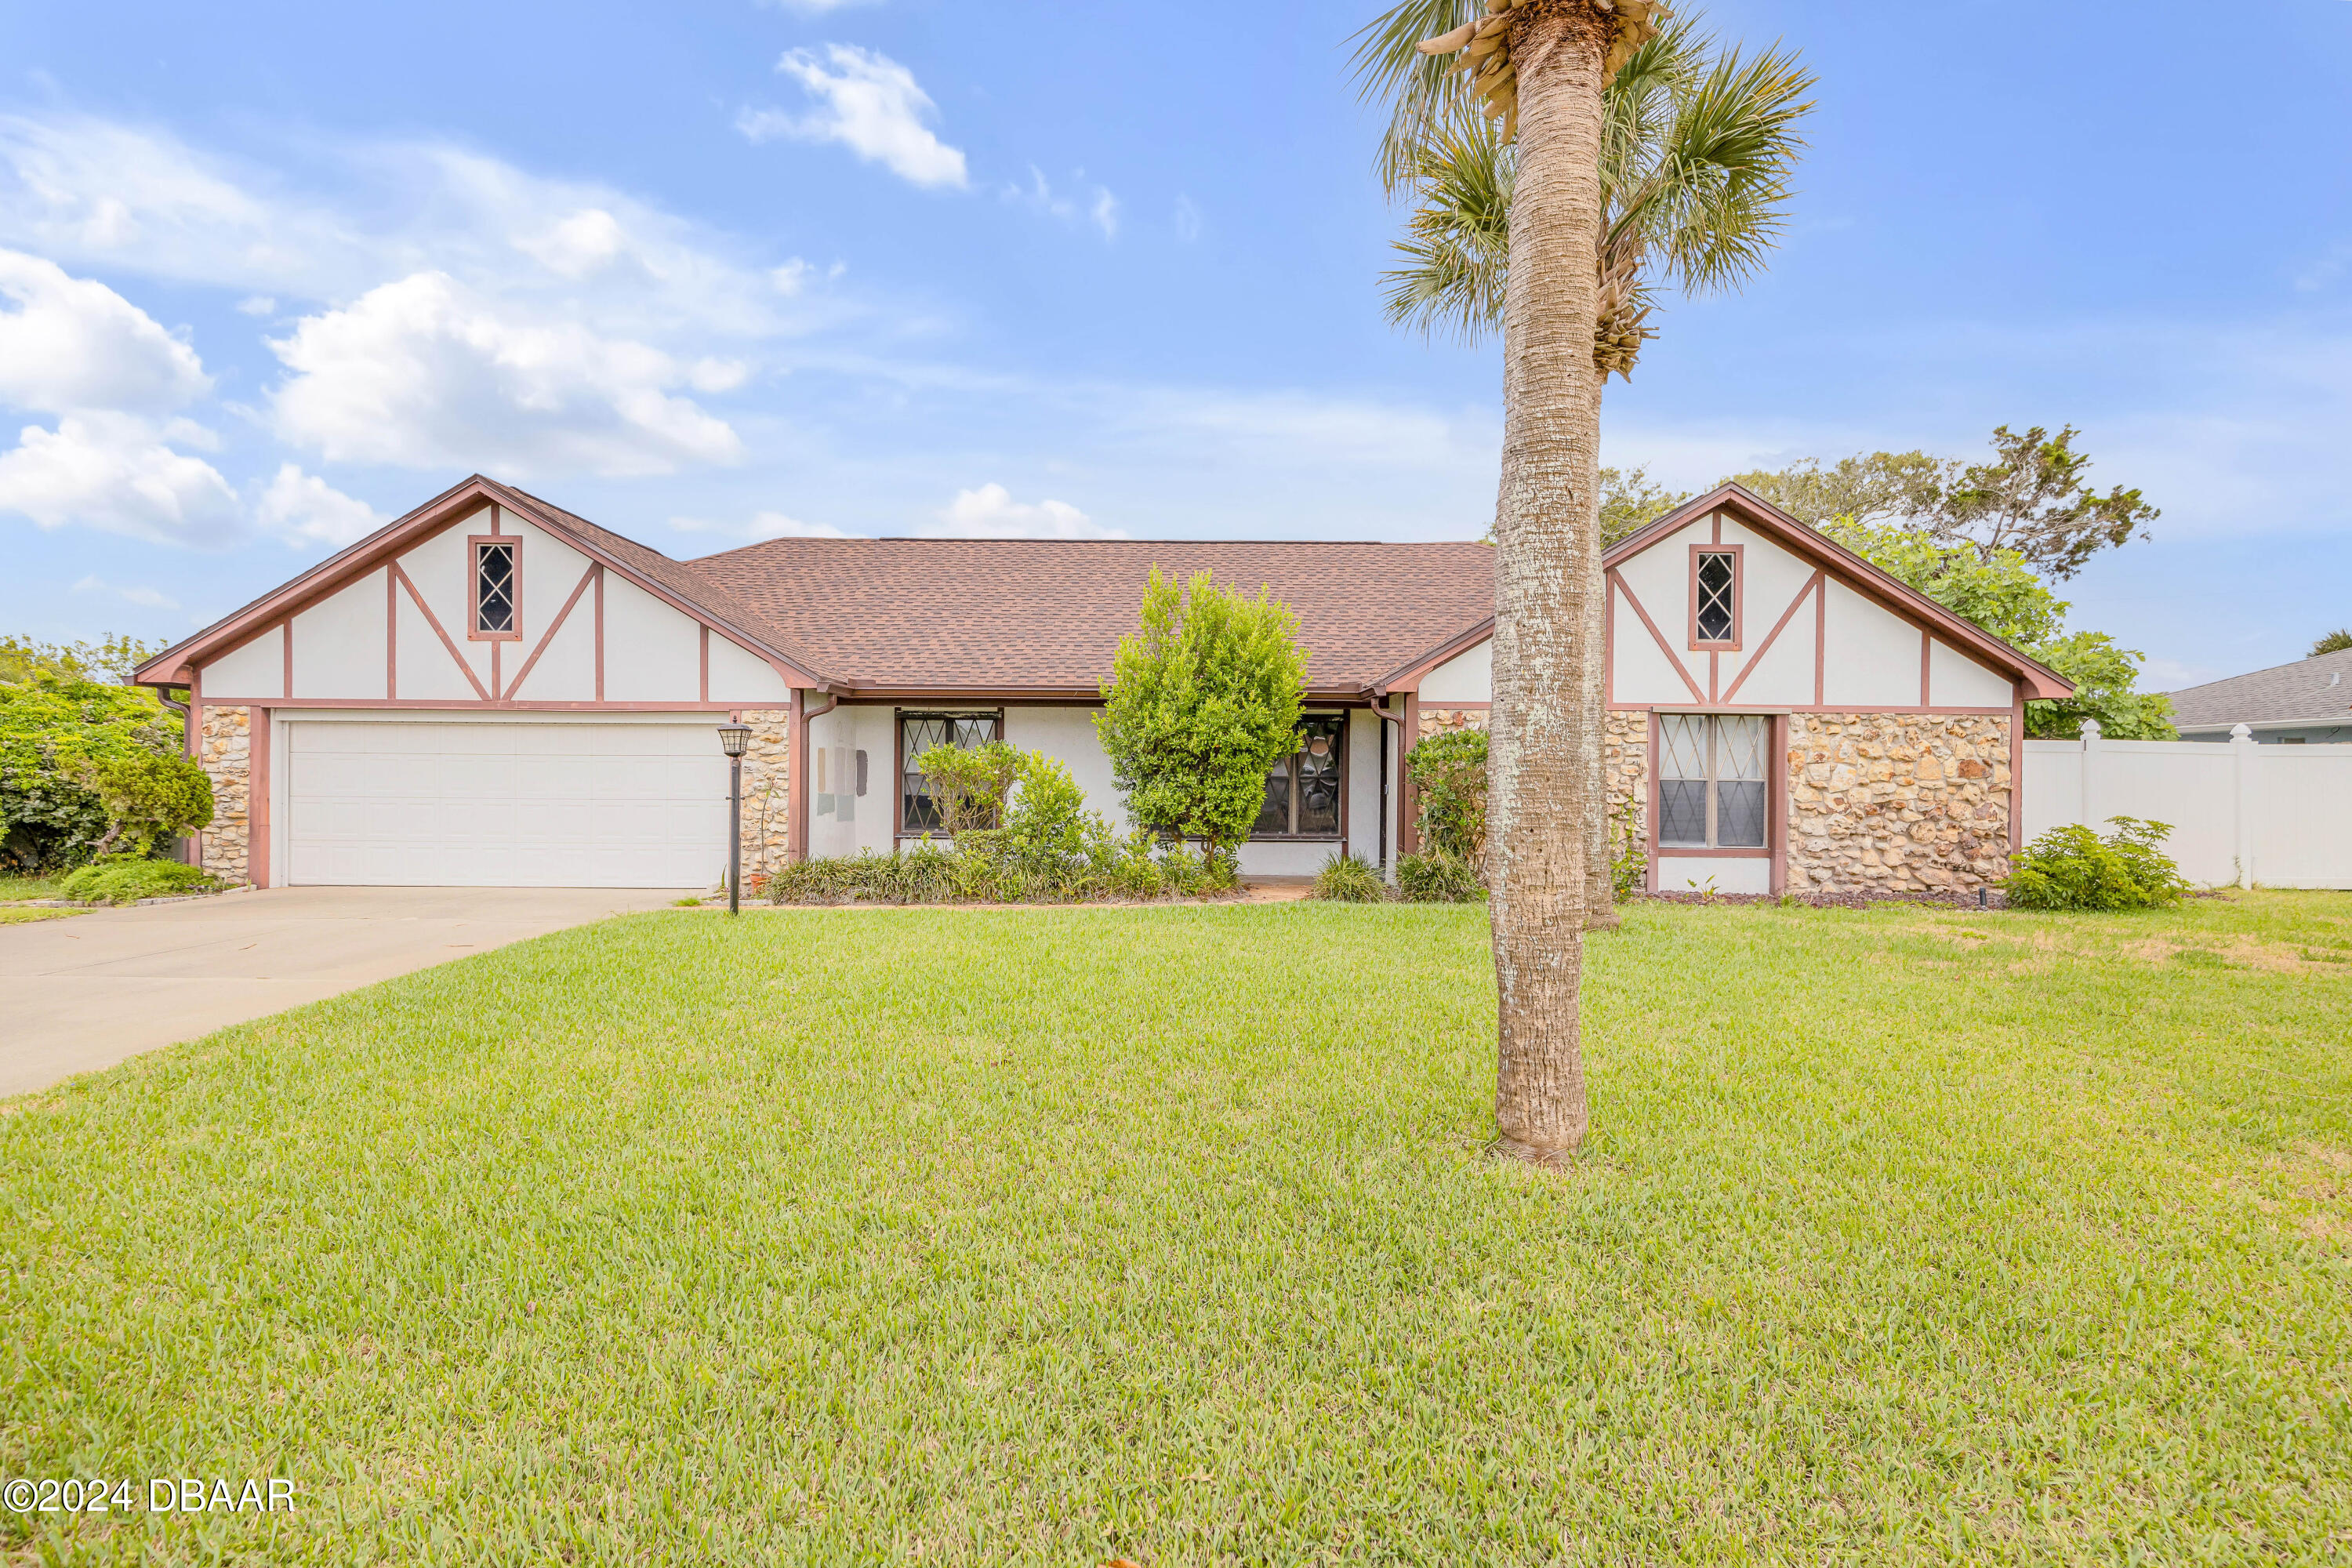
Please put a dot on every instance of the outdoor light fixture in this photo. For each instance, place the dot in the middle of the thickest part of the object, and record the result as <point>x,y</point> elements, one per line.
<point>732,738</point>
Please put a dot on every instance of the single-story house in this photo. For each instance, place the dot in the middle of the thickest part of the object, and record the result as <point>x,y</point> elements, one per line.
<point>491,690</point>
<point>2307,702</point>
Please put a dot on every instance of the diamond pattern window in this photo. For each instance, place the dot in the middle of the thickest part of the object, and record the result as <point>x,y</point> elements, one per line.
<point>1717,619</point>
<point>917,732</point>
<point>494,588</point>
<point>1713,781</point>
<point>1303,790</point>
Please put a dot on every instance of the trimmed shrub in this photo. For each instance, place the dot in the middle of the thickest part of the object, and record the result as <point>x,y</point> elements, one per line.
<point>1450,773</point>
<point>1438,877</point>
<point>967,784</point>
<point>2072,867</point>
<point>1349,880</point>
<point>126,879</point>
<point>1203,699</point>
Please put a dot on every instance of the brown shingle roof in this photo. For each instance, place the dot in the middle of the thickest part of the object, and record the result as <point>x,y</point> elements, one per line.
<point>1047,614</point>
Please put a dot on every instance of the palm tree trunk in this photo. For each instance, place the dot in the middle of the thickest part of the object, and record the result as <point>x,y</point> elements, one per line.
<point>1546,748</point>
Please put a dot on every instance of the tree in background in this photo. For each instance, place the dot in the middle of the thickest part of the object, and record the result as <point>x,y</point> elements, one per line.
<point>114,657</point>
<point>2000,592</point>
<point>1203,701</point>
<point>2033,497</point>
<point>1871,488</point>
<point>2338,641</point>
<point>1636,157</point>
<point>86,767</point>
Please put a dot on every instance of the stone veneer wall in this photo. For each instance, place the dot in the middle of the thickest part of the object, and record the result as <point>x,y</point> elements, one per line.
<point>225,750</point>
<point>1903,802</point>
<point>767,790</point>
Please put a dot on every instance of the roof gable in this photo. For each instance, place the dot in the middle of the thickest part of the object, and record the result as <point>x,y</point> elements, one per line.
<point>671,581</point>
<point>1891,593</point>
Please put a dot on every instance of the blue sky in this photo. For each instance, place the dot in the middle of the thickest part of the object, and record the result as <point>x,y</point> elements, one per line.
<point>724,270</point>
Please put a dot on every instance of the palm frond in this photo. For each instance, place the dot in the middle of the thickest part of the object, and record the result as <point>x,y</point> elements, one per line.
<point>1458,243</point>
<point>1420,94</point>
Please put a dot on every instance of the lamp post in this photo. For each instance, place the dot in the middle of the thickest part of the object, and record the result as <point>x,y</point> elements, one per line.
<point>732,738</point>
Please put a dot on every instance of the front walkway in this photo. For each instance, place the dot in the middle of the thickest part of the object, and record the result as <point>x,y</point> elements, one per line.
<point>83,993</point>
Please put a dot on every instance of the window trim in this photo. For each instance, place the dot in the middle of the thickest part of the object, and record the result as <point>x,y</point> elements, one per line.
<point>1347,739</point>
<point>899,717</point>
<point>1699,644</point>
<point>474,542</point>
<point>1776,793</point>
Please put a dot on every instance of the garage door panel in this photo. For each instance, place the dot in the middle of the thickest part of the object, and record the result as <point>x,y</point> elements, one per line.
<point>505,803</point>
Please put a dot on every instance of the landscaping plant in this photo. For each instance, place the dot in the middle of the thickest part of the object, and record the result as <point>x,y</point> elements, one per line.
<point>1438,877</point>
<point>1347,879</point>
<point>2072,867</point>
<point>967,784</point>
<point>1203,700</point>
<point>86,768</point>
<point>127,879</point>
<point>1449,773</point>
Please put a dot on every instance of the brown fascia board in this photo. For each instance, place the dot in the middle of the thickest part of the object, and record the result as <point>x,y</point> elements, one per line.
<point>2043,683</point>
<point>677,598</point>
<point>170,667</point>
<point>1460,642</point>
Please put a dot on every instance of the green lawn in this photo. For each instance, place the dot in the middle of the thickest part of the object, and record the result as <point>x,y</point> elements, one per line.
<point>23,916</point>
<point>30,888</point>
<point>978,1236</point>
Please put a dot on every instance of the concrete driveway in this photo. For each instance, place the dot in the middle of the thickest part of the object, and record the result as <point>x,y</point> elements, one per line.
<point>83,993</point>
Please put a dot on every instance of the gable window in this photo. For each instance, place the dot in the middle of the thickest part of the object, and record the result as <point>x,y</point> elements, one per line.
<point>917,732</point>
<point>1302,791</point>
<point>497,570</point>
<point>1715,597</point>
<point>1712,781</point>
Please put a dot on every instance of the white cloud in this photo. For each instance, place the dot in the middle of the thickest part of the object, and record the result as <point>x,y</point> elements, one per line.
<point>1101,209</point>
<point>1188,219</point>
<point>256,305</point>
<point>578,244</point>
<point>303,509</point>
<point>426,373</point>
<point>991,512</point>
<point>145,599</point>
<point>113,472</point>
<point>73,342</point>
<point>870,104</point>
<point>764,525</point>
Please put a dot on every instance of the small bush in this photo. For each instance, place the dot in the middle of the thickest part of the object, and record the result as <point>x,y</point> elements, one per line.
<point>1438,877</point>
<point>2072,867</point>
<point>124,879</point>
<point>1629,862</point>
<point>1450,773</point>
<point>967,784</point>
<point>1349,880</point>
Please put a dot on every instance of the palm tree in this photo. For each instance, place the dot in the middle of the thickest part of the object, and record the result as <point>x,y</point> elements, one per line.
<point>1584,194</point>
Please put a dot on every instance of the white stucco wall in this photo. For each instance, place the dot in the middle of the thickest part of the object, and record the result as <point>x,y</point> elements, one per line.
<point>257,669</point>
<point>1467,677</point>
<point>339,642</point>
<point>1770,578</point>
<point>1956,680</point>
<point>1872,656</point>
<point>1728,874</point>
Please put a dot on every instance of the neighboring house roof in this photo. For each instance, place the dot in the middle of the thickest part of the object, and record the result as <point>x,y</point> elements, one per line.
<point>2308,691</point>
<point>1047,614</point>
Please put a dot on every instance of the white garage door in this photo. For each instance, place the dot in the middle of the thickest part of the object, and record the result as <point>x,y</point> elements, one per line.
<point>506,805</point>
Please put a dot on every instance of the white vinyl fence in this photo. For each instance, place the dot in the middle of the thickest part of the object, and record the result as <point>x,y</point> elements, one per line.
<point>2241,813</point>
